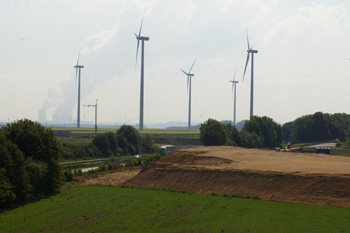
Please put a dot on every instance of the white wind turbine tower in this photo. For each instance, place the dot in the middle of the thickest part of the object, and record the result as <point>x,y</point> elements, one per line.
<point>143,39</point>
<point>189,79</point>
<point>234,83</point>
<point>78,68</point>
<point>250,51</point>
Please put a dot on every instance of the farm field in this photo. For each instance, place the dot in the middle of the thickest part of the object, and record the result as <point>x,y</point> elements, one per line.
<point>114,209</point>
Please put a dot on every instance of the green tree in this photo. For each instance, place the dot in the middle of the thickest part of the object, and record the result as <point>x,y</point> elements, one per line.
<point>266,131</point>
<point>40,144</point>
<point>7,196</point>
<point>37,170</point>
<point>213,132</point>
<point>147,145</point>
<point>102,143</point>
<point>236,136</point>
<point>287,131</point>
<point>319,127</point>
<point>113,143</point>
<point>12,162</point>
<point>229,130</point>
<point>128,139</point>
<point>251,140</point>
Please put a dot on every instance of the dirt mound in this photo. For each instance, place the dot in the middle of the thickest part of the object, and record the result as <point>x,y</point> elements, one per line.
<point>278,176</point>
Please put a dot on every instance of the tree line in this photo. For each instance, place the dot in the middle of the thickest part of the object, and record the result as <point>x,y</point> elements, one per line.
<point>30,155</point>
<point>126,141</point>
<point>264,132</point>
<point>29,162</point>
<point>258,132</point>
<point>318,127</point>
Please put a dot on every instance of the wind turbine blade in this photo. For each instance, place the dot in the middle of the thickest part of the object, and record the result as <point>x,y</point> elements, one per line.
<point>78,57</point>
<point>184,72</point>
<point>141,24</point>
<point>248,41</point>
<point>76,69</point>
<point>246,64</point>
<point>234,77</point>
<point>192,66</point>
<point>138,39</point>
<point>137,51</point>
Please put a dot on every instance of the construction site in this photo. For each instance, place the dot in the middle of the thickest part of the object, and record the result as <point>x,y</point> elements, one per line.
<point>306,178</point>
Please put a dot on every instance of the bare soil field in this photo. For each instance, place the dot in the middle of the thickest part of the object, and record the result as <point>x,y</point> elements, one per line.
<point>115,178</point>
<point>278,176</point>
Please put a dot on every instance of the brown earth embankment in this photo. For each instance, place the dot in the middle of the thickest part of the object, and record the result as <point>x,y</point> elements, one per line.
<point>277,176</point>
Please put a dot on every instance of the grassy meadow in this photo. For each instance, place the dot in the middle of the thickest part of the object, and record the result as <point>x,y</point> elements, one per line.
<point>113,209</point>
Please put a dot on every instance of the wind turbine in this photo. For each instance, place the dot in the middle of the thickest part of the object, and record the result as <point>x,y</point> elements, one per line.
<point>189,79</point>
<point>250,51</point>
<point>143,39</point>
<point>78,68</point>
<point>234,83</point>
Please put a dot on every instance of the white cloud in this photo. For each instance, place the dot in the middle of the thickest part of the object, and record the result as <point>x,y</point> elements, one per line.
<point>309,21</point>
<point>100,40</point>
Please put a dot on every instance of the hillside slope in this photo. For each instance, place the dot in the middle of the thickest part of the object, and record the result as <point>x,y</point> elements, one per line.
<point>278,176</point>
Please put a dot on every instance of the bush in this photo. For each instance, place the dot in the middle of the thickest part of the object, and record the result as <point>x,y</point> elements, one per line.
<point>102,168</point>
<point>88,151</point>
<point>68,174</point>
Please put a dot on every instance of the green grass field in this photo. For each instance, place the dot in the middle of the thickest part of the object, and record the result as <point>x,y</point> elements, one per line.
<point>149,131</point>
<point>170,131</point>
<point>112,209</point>
<point>340,152</point>
<point>160,136</point>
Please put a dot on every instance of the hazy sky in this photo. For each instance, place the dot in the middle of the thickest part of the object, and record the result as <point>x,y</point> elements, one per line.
<point>302,66</point>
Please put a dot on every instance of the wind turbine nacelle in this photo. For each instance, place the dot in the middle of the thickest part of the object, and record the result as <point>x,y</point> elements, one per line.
<point>191,75</point>
<point>78,66</point>
<point>143,38</point>
<point>252,51</point>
